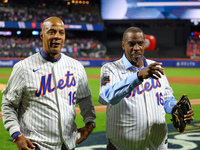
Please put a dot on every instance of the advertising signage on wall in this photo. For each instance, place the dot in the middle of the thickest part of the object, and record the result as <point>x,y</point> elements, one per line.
<point>186,63</point>
<point>38,25</point>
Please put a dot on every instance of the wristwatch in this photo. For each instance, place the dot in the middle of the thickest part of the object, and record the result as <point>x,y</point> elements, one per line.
<point>91,123</point>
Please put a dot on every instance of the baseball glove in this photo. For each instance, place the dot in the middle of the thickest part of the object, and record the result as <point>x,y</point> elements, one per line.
<point>178,112</point>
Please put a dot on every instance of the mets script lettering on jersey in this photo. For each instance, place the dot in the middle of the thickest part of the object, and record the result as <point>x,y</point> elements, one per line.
<point>148,86</point>
<point>45,85</point>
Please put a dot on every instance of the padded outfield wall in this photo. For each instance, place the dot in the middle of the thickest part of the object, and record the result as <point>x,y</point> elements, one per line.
<point>186,63</point>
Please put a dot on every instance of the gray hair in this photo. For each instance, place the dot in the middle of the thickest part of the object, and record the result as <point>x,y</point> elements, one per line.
<point>131,29</point>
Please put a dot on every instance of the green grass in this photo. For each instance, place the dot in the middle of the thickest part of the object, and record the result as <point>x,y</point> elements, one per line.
<point>94,86</point>
<point>5,139</point>
<point>191,90</point>
<point>3,80</point>
<point>183,72</point>
<point>5,71</point>
<point>93,71</point>
<point>100,121</point>
<point>193,72</point>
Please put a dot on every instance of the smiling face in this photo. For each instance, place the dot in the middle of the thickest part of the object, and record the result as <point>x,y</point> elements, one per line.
<point>134,45</point>
<point>53,36</point>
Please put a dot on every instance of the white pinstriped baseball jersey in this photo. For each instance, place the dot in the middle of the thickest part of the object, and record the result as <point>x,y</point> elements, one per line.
<point>45,94</point>
<point>135,112</point>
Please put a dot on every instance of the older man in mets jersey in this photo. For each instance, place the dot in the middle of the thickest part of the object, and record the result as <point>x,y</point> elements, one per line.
<point>38,106</point>
<point>137,95</point>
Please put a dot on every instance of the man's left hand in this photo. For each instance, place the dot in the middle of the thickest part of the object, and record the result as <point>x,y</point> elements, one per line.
<point>189,116</point>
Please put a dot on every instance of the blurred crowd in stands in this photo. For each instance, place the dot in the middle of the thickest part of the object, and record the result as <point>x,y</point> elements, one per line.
<point>38,11</point>
<point>77,48</point>
<point>86,48</point>
<point>80,14</point>
<point>193,46</point>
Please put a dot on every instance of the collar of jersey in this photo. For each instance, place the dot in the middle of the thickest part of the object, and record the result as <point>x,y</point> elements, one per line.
<point>128,65</point>
<point>46,57</point>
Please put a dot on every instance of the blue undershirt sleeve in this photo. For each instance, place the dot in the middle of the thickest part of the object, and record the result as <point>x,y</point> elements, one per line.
<point>115,93</point>
<point>169,104</point>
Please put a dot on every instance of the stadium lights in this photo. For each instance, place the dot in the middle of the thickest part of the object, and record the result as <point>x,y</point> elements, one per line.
<point>35,32</point>
<point>5,1</point>
<point>77,2</point>
<point>19,32</point>
<point>5,33</point>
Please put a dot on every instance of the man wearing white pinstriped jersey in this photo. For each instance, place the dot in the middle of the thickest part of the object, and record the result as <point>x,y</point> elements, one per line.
<point>137,95</point>
<point>38,106</point>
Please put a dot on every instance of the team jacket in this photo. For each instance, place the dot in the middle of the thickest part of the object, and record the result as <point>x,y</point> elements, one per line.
<point>39,100</point>
<point>135,109</point>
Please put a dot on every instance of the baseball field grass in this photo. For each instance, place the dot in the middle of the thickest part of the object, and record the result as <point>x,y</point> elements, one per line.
<point>192,90</point>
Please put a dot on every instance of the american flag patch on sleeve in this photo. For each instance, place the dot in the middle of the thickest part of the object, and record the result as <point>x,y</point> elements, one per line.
<point>105,80</point>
